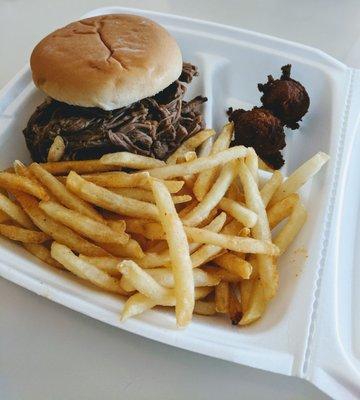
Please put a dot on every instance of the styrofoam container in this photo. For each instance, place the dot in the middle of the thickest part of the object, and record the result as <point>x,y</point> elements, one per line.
<point>311,329</point>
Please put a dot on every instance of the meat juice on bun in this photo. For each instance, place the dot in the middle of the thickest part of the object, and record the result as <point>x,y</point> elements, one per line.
<point>114,82</point>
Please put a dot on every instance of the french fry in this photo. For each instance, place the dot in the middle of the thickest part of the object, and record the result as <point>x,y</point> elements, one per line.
<point>222,297</point>
<point>200,164</point>
<point>106,264</point>
<point>267,268</point>
<point>130,160</point>
<point>142,281</point>
<point>212,214</point>
<point>22,170</point>
<point>233,192</point>
<point>190,144</point>
<point>206,178</point>
<point>15,212</point>
<point>82,224</point>
<point>281,209</point>
<point>235,243</point>
<point>120,179</point>
<point>300,176</point>
<point>238,211</point>
<point>118,226</point>
<point>213,197</point>
<point>207,252</point>
<point>125,180</point>
<point>22,235</point>
<point>256,304</point>
<point>134,225</point>
<point>146,195</point>
<point>153,259</point>
<point>264,166</point>
<point>204,307</point>
<point>3,217</point>
<point>42,253</point>
<point>190,156</point>
<point>149,260</point>
<point>270,187</point>
<point>131,249</point>
<point>245,288</point>
<point>187,209</point>
<point>57,231</point>
<point>165,277</point>
<point>293,226</point>
<point>81,167</point>
<point>154,230</point>
<point>179,253</point>
<point>235,228</point>
<point>138,303</point>
<point>12,182</point>
<point>222,274</point>
<point>108,200</point>
<point>63,195</point>
<point>85,270</point>
<point>219,243</point>
<point>234,264</point>
<point>235,310</point>
<point>157,246</point>
<point>252,162</point>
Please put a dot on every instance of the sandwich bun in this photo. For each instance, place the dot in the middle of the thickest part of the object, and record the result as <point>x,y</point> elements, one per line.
<point>108,61</point>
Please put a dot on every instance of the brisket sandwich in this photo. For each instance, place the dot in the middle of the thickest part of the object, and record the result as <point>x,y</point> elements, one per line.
<point>114,82</point>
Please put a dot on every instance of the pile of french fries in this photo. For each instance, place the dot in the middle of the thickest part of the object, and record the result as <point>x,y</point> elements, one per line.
<point>200,234</point>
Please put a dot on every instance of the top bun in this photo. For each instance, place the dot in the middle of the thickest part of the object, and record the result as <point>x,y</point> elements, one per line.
<point>109,61</point>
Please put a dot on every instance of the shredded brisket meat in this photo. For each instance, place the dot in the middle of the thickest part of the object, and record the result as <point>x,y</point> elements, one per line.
<point>154,126</point>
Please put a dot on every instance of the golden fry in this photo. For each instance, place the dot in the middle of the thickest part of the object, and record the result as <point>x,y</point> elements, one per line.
<point>256,304</point>
<point>271,186</point>
<point>16,182</point>
<point>200,164</point>
<point>63,195</point>
<point>234,264</point>
<point>42,253</point>
<point>81,167</point>
<point>22,235</point>
<point>190,144</point>
<point>57,231</point>
<point>206,178</point>
<point>300,176</point>
<point>82,224</point>
<point>293,226</point>
<point>85,270</point>
<point>222,297</point>
<point>235,309</point>
<point>235,243</point>
<point>130,160</point>
<point>179,253</point>
<point>108,200</point>
<point>204,307</point>
<point>238,211</point>
<point>213,197</point>
<point>281,209</point>
<point>267,267</point>
<point>15,212</point>
<point>142,281</point>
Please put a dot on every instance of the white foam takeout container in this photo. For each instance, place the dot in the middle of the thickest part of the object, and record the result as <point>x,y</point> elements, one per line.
<point>311,329</point>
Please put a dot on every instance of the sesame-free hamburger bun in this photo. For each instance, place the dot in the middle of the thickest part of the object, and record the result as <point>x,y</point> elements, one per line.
<point>107,61</point>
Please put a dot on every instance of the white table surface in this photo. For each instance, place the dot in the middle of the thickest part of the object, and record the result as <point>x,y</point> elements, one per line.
<point>50,352</point>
